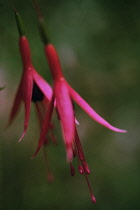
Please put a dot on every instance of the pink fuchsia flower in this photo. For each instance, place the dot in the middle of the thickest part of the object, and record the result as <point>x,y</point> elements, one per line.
<point>64,97</point>
<point>32,86</point>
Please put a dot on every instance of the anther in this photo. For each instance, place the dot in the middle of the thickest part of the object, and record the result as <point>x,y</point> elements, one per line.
<point>81,156</point>
<point>81,170</point>
<point>86,168</point>
<point>72,169</point>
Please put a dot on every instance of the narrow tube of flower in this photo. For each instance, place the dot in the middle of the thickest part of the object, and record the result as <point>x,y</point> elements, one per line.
<point>53,61</point>
<point>50,52</point>
<point>23,42</point>
<point>25,52</point>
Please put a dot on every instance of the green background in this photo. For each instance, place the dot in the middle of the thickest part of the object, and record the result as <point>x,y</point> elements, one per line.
<point>99,47</point>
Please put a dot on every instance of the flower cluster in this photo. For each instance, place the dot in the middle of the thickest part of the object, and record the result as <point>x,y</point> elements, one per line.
<point>61,97</point>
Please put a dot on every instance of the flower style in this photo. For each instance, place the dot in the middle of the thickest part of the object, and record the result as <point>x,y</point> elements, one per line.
<point>32,86</point>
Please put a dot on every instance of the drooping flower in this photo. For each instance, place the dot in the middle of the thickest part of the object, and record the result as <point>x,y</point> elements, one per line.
<point>32,87</point>
<point>64,97</point>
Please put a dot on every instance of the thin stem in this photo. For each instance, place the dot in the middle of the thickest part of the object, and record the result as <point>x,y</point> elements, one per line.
<point>37,9</point>
<point>41,23</point>
<point>18,20</point>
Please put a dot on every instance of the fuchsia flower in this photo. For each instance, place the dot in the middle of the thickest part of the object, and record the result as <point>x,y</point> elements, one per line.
<point>64,95</point>
<point>32,86</point>
<point>63,98</point>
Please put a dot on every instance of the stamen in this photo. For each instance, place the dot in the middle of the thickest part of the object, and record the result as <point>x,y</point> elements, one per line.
<point>41,109</point>
<point>86,168</point>
<point>89,186</point>
<point>46,141</point>
<point>74,152</point>
<point>41,113</point>
<point>53,138</point>
<point>80,169</point>
<point>50,176</point>
<point>72,169</point>
<point>79,146</point>
<point>81,156</point>
<point>83,169</point>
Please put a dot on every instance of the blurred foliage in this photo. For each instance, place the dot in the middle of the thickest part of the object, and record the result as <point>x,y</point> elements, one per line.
<point>99,47</point>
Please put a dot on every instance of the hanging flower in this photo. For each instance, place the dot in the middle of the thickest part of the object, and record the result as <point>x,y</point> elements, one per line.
<point>64,97</point>
<point>32,87</point>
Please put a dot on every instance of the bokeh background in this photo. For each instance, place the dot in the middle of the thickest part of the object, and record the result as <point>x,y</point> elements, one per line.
<point>99,47</point>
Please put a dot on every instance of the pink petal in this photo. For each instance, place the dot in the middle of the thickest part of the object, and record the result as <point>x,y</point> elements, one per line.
<point>27,86</point>
<point>45,126</point>
<point>43,85</point>
<point>65,110</point>
<point>16,104</point>
<point>87,108</point>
